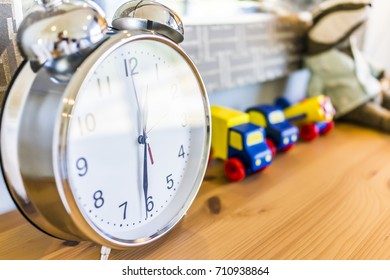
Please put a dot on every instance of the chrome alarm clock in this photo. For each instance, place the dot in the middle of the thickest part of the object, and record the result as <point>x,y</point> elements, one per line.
<point>105,130</point>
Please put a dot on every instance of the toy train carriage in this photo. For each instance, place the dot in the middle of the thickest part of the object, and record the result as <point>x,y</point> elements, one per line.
<point>239,142</point>
<point>313,116</point>
<point>281,135</point>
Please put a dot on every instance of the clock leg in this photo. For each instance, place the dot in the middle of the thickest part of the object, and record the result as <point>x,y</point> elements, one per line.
<point>104,253</point>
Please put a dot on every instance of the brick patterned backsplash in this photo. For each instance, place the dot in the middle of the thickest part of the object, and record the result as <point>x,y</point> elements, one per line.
<point>9,54</point>
<point>232,55</point>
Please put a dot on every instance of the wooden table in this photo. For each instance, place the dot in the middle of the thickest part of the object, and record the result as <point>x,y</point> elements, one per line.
<point>327,199</point>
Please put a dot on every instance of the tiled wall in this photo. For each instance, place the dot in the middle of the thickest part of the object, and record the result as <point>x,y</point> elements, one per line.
<point>9,55</point>
<point>232,55</point>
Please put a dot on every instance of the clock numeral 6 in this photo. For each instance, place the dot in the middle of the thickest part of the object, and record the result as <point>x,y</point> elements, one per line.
<point>82,166</point>
<point>99,200</point>
<point>149,204</point>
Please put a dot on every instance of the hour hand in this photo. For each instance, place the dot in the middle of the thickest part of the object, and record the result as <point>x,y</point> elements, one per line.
<point>142,139</point>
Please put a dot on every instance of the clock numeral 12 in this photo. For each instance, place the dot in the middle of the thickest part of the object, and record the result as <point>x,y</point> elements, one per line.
<point>132,63</point>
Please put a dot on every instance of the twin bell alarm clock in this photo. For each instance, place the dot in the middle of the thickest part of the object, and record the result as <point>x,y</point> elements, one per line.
<point>105,130</point>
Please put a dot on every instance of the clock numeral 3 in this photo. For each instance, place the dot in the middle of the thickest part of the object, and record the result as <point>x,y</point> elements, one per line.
<point>174,91</point>
<point>184,121</point>
<point>99,200</point>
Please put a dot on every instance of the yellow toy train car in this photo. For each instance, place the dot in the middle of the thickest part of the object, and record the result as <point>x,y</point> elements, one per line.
<point>313,116</point>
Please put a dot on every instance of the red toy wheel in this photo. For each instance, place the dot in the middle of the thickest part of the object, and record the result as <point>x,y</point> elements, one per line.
<point>329,126</point>
<point>272,146</point>
<point>287,148</point>
<point>309,132</point>
<point>234,169</point>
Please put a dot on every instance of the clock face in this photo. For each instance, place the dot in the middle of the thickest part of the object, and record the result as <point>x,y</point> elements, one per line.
<point>136,141</point>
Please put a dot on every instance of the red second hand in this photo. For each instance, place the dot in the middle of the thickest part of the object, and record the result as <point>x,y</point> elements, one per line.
<point>150,154</point>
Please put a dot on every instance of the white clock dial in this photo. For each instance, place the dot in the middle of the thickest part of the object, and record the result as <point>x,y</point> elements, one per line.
<point>128,188</point>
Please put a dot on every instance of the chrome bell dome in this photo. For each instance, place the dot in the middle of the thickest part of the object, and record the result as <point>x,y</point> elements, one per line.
<point>57,29</point>
<point>149,15</point>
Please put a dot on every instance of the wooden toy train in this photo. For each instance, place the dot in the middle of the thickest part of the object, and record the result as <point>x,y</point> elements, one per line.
<point>248,141</point>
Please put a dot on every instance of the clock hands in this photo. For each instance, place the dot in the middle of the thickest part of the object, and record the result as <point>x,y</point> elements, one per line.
<point>150,154</point>
<point>143,140</point>
<point>146,132</point>
<point>174,90</point>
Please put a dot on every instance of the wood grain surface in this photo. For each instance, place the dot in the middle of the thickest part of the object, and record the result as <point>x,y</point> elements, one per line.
<point>327,199</point>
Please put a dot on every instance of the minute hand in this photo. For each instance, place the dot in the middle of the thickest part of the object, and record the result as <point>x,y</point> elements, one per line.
<point>145,177</point>
<point>142,139</point>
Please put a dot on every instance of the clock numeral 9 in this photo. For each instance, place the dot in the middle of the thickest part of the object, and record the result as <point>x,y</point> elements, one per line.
<point>82,166</point>
<point>87,123</point>
<point>99,200</point>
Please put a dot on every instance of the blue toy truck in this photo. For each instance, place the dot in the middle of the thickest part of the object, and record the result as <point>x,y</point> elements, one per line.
<point>281,135</point>
<point>239,142</point>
